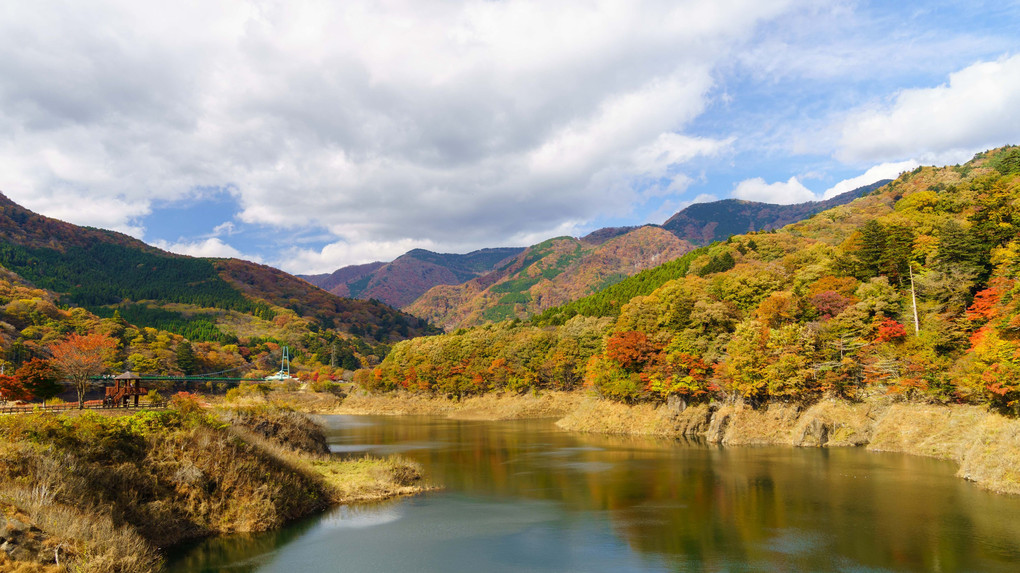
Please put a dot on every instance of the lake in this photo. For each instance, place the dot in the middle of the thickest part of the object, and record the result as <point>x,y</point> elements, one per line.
<point>524,496</point>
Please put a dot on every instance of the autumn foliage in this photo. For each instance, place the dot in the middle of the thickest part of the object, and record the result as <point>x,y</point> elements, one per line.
<point>825,307</point>
<point>81,357</point>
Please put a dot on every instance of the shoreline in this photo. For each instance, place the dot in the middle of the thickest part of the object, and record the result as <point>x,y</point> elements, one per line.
<point>110,492</point>
<point>984,445</point>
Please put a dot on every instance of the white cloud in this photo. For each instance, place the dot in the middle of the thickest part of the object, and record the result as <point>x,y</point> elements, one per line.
<point>211,247</point>
<point>793,191</point>
<point>110,212</point>
<point>388,123</point>
<point>876,173</point>
<point>336,255</point>
<point>977,109</point>
<point>780,192</point>
<point>225,228</point>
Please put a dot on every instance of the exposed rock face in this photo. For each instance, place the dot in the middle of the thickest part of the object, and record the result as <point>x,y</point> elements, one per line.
<point>24,542</point>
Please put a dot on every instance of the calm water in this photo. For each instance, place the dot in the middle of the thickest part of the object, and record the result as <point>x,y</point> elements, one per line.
<point>522,496</point>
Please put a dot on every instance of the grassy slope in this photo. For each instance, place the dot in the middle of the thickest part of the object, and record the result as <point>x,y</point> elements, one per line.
<point>110,490</point>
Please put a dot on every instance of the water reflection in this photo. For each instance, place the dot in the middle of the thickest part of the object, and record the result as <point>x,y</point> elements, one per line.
<point>523,496</point>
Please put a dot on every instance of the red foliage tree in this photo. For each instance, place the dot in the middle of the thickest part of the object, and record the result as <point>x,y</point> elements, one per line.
<point>40,379</point>
<point>891,331</point>
<point>829,303</point>
<point>12,389</point>
<point>631,349</point>
<point>984,307</point>
<point>82,357</point>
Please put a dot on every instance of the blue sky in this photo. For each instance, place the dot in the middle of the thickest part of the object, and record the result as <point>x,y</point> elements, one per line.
<point>313,135</point>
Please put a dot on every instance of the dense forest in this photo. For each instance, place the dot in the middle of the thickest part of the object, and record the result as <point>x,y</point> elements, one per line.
<point>547,274</point>
<point>908,292</point>
<point>32,322</point>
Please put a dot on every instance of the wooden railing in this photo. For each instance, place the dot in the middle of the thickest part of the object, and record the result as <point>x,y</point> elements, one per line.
<point>89,404</point>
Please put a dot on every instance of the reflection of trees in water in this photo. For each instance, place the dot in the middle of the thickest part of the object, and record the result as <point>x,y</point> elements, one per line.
<point>715,507</point>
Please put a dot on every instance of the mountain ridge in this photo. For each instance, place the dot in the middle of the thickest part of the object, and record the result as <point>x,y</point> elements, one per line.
<point>106,271</point>
<point>409,278</point>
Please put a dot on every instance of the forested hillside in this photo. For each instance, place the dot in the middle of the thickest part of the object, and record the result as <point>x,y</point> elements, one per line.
<point>547,274</point>
<point>704,223</point>
<point>203,299</point>
<point>32,321</point>
<point>908,292</point>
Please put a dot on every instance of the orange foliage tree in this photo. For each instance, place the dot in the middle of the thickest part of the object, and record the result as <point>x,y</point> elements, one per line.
<point>631,349</point>
<point>82,357</point>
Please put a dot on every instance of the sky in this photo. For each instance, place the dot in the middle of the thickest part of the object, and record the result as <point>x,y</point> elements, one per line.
<point>314,135</point>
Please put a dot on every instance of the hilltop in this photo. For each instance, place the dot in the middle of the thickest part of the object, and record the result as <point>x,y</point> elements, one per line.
<point>483,286</point>
<point>905,294</point>
<point>402,281</point>
<point>107,272</point>
<point>547,274</point>
<point>704,223</point>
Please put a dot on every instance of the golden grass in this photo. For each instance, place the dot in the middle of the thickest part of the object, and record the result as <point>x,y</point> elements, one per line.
<point>7,565</point>
<point>106,491</point>
<point>548,404</point>
<point>594,415</point>
<point>88,541</point>
<point>370,479</point>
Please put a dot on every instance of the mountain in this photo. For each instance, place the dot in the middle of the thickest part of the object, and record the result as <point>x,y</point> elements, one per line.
<point>337,282</point>
<point>547,274</point>
<point>401,282</point>
<point>408,278</point>
<point>704,223</point>
<point>907,294</point>
<point>109,272</point>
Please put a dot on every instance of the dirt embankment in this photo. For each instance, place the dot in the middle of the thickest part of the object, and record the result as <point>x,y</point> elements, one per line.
<point>486,407</point>
<point>984,444</point>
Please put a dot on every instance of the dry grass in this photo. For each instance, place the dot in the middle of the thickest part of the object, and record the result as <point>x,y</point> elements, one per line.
<point>985,444</point>
<point>88,542</point>
<point>548,404</point>
<point>107,491</point>
<point>597,416</point>
<point>934,431</point>
<point>370,479</point>
<point>9,566</point>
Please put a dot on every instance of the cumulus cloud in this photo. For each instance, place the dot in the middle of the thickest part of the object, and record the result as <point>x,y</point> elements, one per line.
<point>780,192</point>
<point>793,191</point>
<point>386,123</point>
<point>876,173</point>
<point>211,247</point>
<point>978,108</point>
<point>324,260</point>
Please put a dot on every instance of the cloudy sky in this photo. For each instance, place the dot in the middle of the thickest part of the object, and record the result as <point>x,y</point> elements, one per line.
<point>313,135</point>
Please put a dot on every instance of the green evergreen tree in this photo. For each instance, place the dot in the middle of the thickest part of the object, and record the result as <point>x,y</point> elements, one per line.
<point>186,358</point>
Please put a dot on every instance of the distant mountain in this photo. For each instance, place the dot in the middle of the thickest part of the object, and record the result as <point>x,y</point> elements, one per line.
<point>337,282</point>
<point>703,223</point>
<point>401,282</point>
<point>454,289</point>
<point>109,272</point>
<point>548,274</point>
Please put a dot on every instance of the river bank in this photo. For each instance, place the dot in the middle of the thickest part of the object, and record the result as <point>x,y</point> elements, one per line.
<point>103,493</point>
<point>984,445</point>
